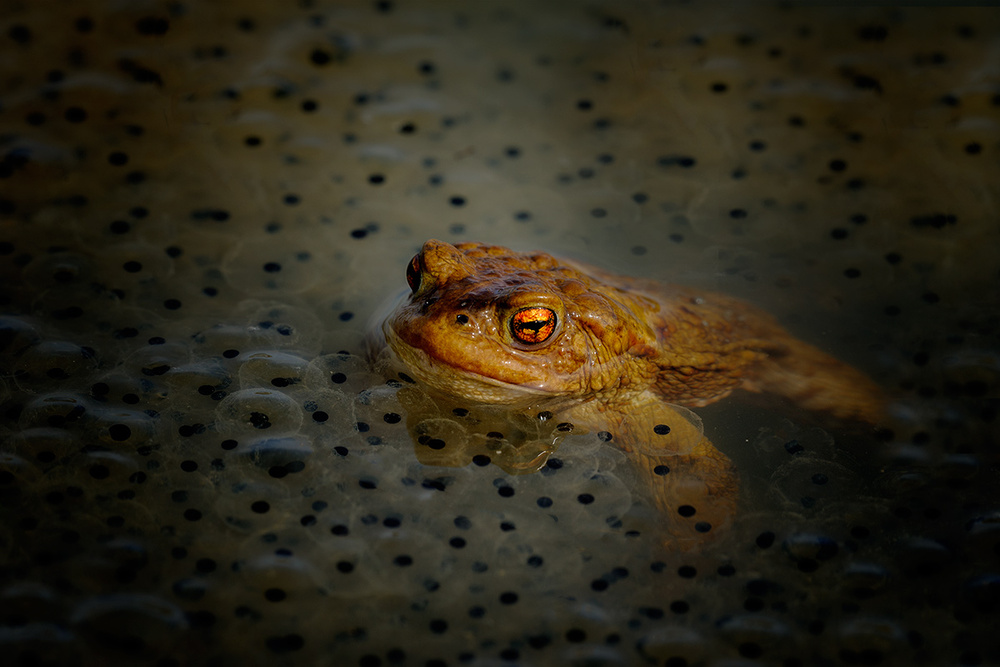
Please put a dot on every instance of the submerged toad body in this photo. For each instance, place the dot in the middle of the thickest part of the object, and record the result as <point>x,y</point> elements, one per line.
<point>612,354</point>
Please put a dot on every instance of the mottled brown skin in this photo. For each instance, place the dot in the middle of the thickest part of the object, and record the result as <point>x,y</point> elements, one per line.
<point>622,355</point>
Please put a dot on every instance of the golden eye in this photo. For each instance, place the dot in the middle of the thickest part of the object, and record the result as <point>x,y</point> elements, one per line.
<point>533,325</point>
<point>413,273</point>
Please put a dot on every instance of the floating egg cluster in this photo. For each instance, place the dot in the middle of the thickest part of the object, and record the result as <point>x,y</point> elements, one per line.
<point>204,206</point>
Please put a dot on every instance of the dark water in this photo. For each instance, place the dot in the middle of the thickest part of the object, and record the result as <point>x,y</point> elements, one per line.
<point>203,205</point>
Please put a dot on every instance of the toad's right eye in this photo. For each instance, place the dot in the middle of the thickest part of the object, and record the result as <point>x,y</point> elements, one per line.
<point>413,273</point>
<point>534,324</point>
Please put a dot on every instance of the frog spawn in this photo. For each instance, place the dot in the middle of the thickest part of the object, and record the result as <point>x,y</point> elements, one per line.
<point>287,491</point>
<point>192,473</point>
<point>260,508</point>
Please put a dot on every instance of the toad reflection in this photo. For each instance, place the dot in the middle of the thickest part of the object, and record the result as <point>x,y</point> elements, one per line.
<point>556,346</point>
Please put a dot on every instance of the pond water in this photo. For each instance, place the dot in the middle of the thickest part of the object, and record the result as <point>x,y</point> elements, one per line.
<point>206,205</point>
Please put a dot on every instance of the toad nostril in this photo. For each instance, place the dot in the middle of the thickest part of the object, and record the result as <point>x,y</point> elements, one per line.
<point>462,319</point>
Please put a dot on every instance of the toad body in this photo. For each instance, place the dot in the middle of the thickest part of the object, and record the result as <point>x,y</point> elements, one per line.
<point>612,354</point>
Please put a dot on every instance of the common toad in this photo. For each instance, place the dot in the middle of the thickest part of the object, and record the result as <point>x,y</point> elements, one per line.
<point>614,355</point>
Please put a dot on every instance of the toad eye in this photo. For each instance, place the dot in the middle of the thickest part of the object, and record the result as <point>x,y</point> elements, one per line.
<point>533,325</point>
<point>413,273</point>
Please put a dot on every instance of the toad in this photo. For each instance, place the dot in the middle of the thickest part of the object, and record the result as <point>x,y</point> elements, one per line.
<point>620,356</point>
